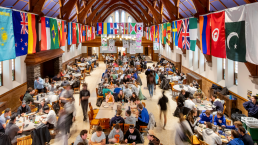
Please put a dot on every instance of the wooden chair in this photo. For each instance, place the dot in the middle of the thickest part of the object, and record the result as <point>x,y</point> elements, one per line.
<point>95,111</point>
<point>203,142</point>
<point>144,105</point>
<point>50,106</point>
<point>228,122</point>
<point>126,127</point>
<point>98,96</point>
<point>177,100</point>
<point>31,106</point>
<point>143,127</point>
<point>104,123</point>
<point>82,79</point>
<point>184,81</point>
<point>170,72</point>
<point>53,131</point>
<point>121,126</point>
<point>77,90</point>
<point>36,91</point>
<point>92,66</point>
<point>172,88</point>
<point>224,106</point>
<point>88,71</point>
<point>26,140</point>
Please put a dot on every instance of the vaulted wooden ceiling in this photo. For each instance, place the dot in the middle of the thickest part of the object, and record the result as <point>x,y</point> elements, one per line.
<point>147,11</point>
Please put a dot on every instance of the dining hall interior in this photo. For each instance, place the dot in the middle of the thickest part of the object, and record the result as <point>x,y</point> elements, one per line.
<point>138,72</point>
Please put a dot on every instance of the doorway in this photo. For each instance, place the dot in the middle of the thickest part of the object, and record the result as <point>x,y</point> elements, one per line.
<point>89,51</point>
<point>146,51</point>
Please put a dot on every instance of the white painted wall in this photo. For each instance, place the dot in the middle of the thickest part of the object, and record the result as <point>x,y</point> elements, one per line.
<point>214,73</point>
<point>120,15</point>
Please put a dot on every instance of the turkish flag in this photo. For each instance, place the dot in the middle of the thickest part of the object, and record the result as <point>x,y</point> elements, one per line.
<point>74,34</point>
<point>179,33</point>
<point>218,48</point>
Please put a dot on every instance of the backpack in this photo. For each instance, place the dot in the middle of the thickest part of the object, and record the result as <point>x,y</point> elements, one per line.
<point>99,102</point>
<point>224,91</point>
<point>100,89</point>
<point>164,84</point>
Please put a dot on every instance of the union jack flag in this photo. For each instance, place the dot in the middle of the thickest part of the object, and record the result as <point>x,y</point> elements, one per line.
<point>185,34</point>
<point>24,23</point>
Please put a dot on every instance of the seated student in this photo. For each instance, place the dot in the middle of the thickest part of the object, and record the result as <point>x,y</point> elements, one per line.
<point>162,76</point>
<point>209,136</point>
<point>12,129</point>
<point>106,90</point>
<point>133,97</point>
<point>143,118</point>
<point>127,92</point>
<point>116,135</point>
<point>133,136</point>
<point>41,106</point>
<point>189,103</point>
<point>112,81</point>
<point>65,82</point>
<point>110,97</point>
<point>28,97</point>
<point>193,120</point>
<point>50,119</point>
<point>199,94</point>
<point>219,119</point>
<point>216,103</point>
<point>52,88</point>
<point>246,138</point>
<point>125,79</point>
<point>153,140</point>
<point>177,72</point>
<point>98,136</point>
<point>106,75</point>
<point>236,125</point>
<point>191,89</point>
<point>234,139</point>
<point>114,70</point>
<point>117,88</point>
<point>129,119</point>
<point>23,109</point>
<point>117,118</point>
<point>120,71</point>
<point>205,117</point>
<point>77,70</point>
<point>252,107</point>
<point>71,77</point>
<point>3,118</point>
<point>82,138</point>
<point>113,75</point>
<point>56,78</point>
<point>195,84</point>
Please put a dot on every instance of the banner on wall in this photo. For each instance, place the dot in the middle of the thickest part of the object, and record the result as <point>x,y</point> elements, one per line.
<point>126,44</point>
<point>111,44</point>
<point>103,40</point>
<point>155,46</point>
<point>138,41</point>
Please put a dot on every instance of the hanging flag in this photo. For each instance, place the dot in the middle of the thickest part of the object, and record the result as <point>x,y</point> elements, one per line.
<point>169,33</point>
<point>140,28</point>
<point>59,23</point>
<point>32,37</point>
<point>150,33</point>
<point>69,34</point>
<point>126,28</point>
<point>218,48</point>
<point>45,34</point>
<point>77,33</point>
<point>86,31</point>
<point>133,28</point>
<point>160,33</point>
<point>164,33</point>
<point>112,28</point>
<point>235,34</point>
<point>105,28</point>
<point>80,33</point>
<point>74,38</point>
<point>251,33</point>
<point>108,28</point>
<point>204,23</point>
<point>174,33</point>
<point>83,33</point>
<point>89,33</point>
<point>115,28</point>
<point>100,28</point>
<point>121,27</point>
<point>146,32</point>
<point>185,34</point>
<point>7,42</point>
<point>64,32</point>
<point>193,32</point>
<point>54,33</point>
<point>20,28</point>
<point>157,33</point>
<point>92,33</point>
<point>179,33</point>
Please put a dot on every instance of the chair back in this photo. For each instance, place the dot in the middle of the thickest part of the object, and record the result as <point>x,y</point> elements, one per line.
<point>90,116</point>
<point>126,127</point>
<point>144,105</point>
<point>170,72</point>
<point>176,99</point>
<point>26,140</point>
<point>104,123</point>
<point>184,81</point>
<point>224,107</point>
<point>21,97</point>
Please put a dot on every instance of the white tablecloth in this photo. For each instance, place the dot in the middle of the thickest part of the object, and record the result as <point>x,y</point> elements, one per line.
<point>50,98</point>
<point>176,87</point>
<point>31,125</point>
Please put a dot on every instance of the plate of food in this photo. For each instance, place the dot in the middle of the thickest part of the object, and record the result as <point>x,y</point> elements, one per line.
<point>106,106</point>
<point>223,137</point>
<point>224,140</point>
<point>36,122</point>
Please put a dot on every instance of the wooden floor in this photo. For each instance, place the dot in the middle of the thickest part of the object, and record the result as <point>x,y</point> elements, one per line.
<point>166,136</point>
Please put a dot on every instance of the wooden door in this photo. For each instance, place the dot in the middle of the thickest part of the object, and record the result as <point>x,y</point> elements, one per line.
<point>89,51</point>
<point>146,51</point>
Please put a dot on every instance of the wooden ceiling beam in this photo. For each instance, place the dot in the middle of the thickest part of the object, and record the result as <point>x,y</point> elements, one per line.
<point>171,9</point>
<point>83,14</point>
<point>153,10</point>
<point>149,18</point>
<point>89,19</point>
<point>201,7</point>
<point>61,3</point>
<point>36,6</point>
<point>250,1</point>
<point>67,8</point>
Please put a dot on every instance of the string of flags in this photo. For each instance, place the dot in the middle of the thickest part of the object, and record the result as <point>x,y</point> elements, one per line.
<point>20,33</point>
<point>231,33</point>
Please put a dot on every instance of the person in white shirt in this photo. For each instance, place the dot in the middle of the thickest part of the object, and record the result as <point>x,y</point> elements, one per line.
<point>189,103</point>
<point>191,89</point>
<point>98,137</point>
<point>50,119</point>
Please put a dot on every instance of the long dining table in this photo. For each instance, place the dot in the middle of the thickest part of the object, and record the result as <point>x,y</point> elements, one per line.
<point>29,124</point>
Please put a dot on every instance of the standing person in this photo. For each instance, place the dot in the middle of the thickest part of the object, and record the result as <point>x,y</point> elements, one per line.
<point>12,129</point>
<point>183,131</point>
<point>82,138</point>
<point>252,107</point>
<point>5,116</point>
<point>84,97</point>
<point>163,107</point>
<point>39,84</point>
<point>150,83</point>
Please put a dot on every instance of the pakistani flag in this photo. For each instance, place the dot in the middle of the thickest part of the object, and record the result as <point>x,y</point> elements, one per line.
<point>54,33</point>
<point>133,28</point>
<point>77,32</point>
<point>193,32</point>
<point>235,34</point>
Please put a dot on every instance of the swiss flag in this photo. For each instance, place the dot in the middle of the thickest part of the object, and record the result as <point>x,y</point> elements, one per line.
<point>218,48</point>
<point>74,41</point>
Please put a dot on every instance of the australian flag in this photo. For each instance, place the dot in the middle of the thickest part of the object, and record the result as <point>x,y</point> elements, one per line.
<point>20,28</point>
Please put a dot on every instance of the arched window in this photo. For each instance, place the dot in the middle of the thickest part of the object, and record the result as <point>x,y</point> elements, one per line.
<point>110,19</point>
<point>117,16</point>
<point>129,19</point>
<point>123,17</point>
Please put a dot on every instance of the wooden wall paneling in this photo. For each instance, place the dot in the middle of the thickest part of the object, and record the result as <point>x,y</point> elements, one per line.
<point>64,64</point>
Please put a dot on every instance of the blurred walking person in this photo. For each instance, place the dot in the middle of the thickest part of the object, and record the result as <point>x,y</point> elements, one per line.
<point>163,107</point>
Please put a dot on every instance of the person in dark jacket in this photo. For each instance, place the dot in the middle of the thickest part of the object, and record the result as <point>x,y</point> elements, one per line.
<point>195,84</point>
<point>177,72</point>
<point>163,107</point>
<point>162,76</point>
<point>153,140</point>
<point>234,139</point>
<point>247,139</point>
<point>133,136</point>
<point>23,109</point>
<point>83,101</point>
<point>117,118</point>
<point>252,107</point>
<point>181,98</point>
<point>151,83</point>
<point>41,106</point>
<point>216,103</point>
<point>28,97</point>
